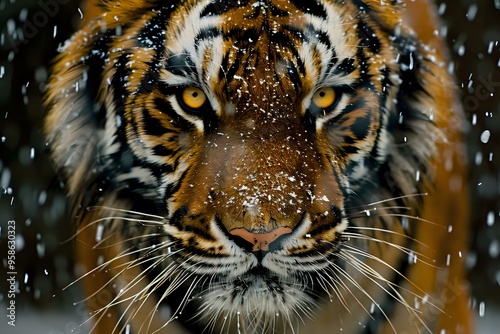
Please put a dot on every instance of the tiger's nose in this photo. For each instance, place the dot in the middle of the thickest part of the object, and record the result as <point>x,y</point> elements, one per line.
<point>265,242</point>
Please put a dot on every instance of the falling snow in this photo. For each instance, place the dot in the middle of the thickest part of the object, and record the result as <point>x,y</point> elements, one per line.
<point>485,136</point>
<point>490,220</point>
<point>29,191</point>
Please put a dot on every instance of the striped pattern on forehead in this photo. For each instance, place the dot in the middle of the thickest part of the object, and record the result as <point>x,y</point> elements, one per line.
<point>225,40</point>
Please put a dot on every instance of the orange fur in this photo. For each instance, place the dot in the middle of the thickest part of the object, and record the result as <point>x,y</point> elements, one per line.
<point>441,231</point>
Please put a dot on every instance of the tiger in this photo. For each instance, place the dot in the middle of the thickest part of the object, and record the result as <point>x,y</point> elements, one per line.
<point>268,166</point>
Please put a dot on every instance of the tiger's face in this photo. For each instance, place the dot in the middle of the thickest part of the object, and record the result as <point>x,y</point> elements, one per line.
<point>266,119</point>
<point>235,149</point>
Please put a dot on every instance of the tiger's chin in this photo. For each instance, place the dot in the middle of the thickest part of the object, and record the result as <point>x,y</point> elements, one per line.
<point>262,298</point>
<point>262,290</point>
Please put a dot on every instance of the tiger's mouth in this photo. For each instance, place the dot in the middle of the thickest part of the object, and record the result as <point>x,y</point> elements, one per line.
<point>278,273</point>
<point>281,251</point>
<point>279,270</point>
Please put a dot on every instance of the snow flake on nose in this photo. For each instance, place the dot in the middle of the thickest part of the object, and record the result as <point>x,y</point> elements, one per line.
<point>279,189</point>
<point>251,205</point>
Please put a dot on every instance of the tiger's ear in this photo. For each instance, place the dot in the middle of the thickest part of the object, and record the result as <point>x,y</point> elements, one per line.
<point>419,18</point>
<point>74,124</point>
<point>118,11</point>
<point>422,24</point>
<point>427,102</point>
<point>128,8</point>
<point>386,12</point>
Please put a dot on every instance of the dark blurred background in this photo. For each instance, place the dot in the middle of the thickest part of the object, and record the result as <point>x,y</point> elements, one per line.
<point>30,33</point>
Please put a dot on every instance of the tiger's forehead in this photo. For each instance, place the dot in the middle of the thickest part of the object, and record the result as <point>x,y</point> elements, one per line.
<point>234,44</point>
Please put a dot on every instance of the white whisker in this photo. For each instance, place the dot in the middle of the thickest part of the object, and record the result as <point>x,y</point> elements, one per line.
<point>138,213</point>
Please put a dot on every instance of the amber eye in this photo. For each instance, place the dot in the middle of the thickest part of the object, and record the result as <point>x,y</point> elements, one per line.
<point>193,98</point>
<point>324,98</point>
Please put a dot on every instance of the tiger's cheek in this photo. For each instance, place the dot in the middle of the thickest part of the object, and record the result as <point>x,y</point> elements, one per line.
<point>353,134</point>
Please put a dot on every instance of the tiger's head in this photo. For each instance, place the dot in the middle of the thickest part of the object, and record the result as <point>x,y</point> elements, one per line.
<point>252,158</point>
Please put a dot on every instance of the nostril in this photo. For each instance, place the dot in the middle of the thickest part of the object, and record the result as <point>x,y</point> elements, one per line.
<point>254,242</point>
<point>277,244</point>
<point>242,243</point>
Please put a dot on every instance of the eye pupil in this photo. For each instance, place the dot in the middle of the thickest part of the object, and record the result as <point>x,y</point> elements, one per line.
<point>322,94</point>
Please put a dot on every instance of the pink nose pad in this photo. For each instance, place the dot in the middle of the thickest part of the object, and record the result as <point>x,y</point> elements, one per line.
<point>261,241</point>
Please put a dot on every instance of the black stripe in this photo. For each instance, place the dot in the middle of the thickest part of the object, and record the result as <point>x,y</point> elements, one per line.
<point>249,67</point>
<point>364,66</point>
<point>153,34</point>
<point>152,125</point>
<point>200,232</point>
<point>362,6</point>
<point>179,122</point>
<point>163,151</point>
<point>346,67</point>
<point>276,12</point>
<point>349,140</point>
<point>311,34</point>
<point>410,64</point>
<point>241,39</point>
<point>181,64</point>
<point>177,217</point>
<point>318,228</point>
<point>360,127</point>
<point>150,80</point>
<point>309,120</point>
<point>368,37</point>
<point>166,169</point>
<point>285,40</point>
<point>159,170</point>
<point>206,34</point>
<point>210,121</point>
<point>354,105</point>
<point>222,7</point>
<point>295,78</point>
<point>174,187</point>
<point>410,87</point>
<point>313,7</point>
<point>349,149</point>
<point>374,153</point>
<point>120,94</point>
<point>385,82</point>
<point>95,62</point>
<point>320,35</point>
